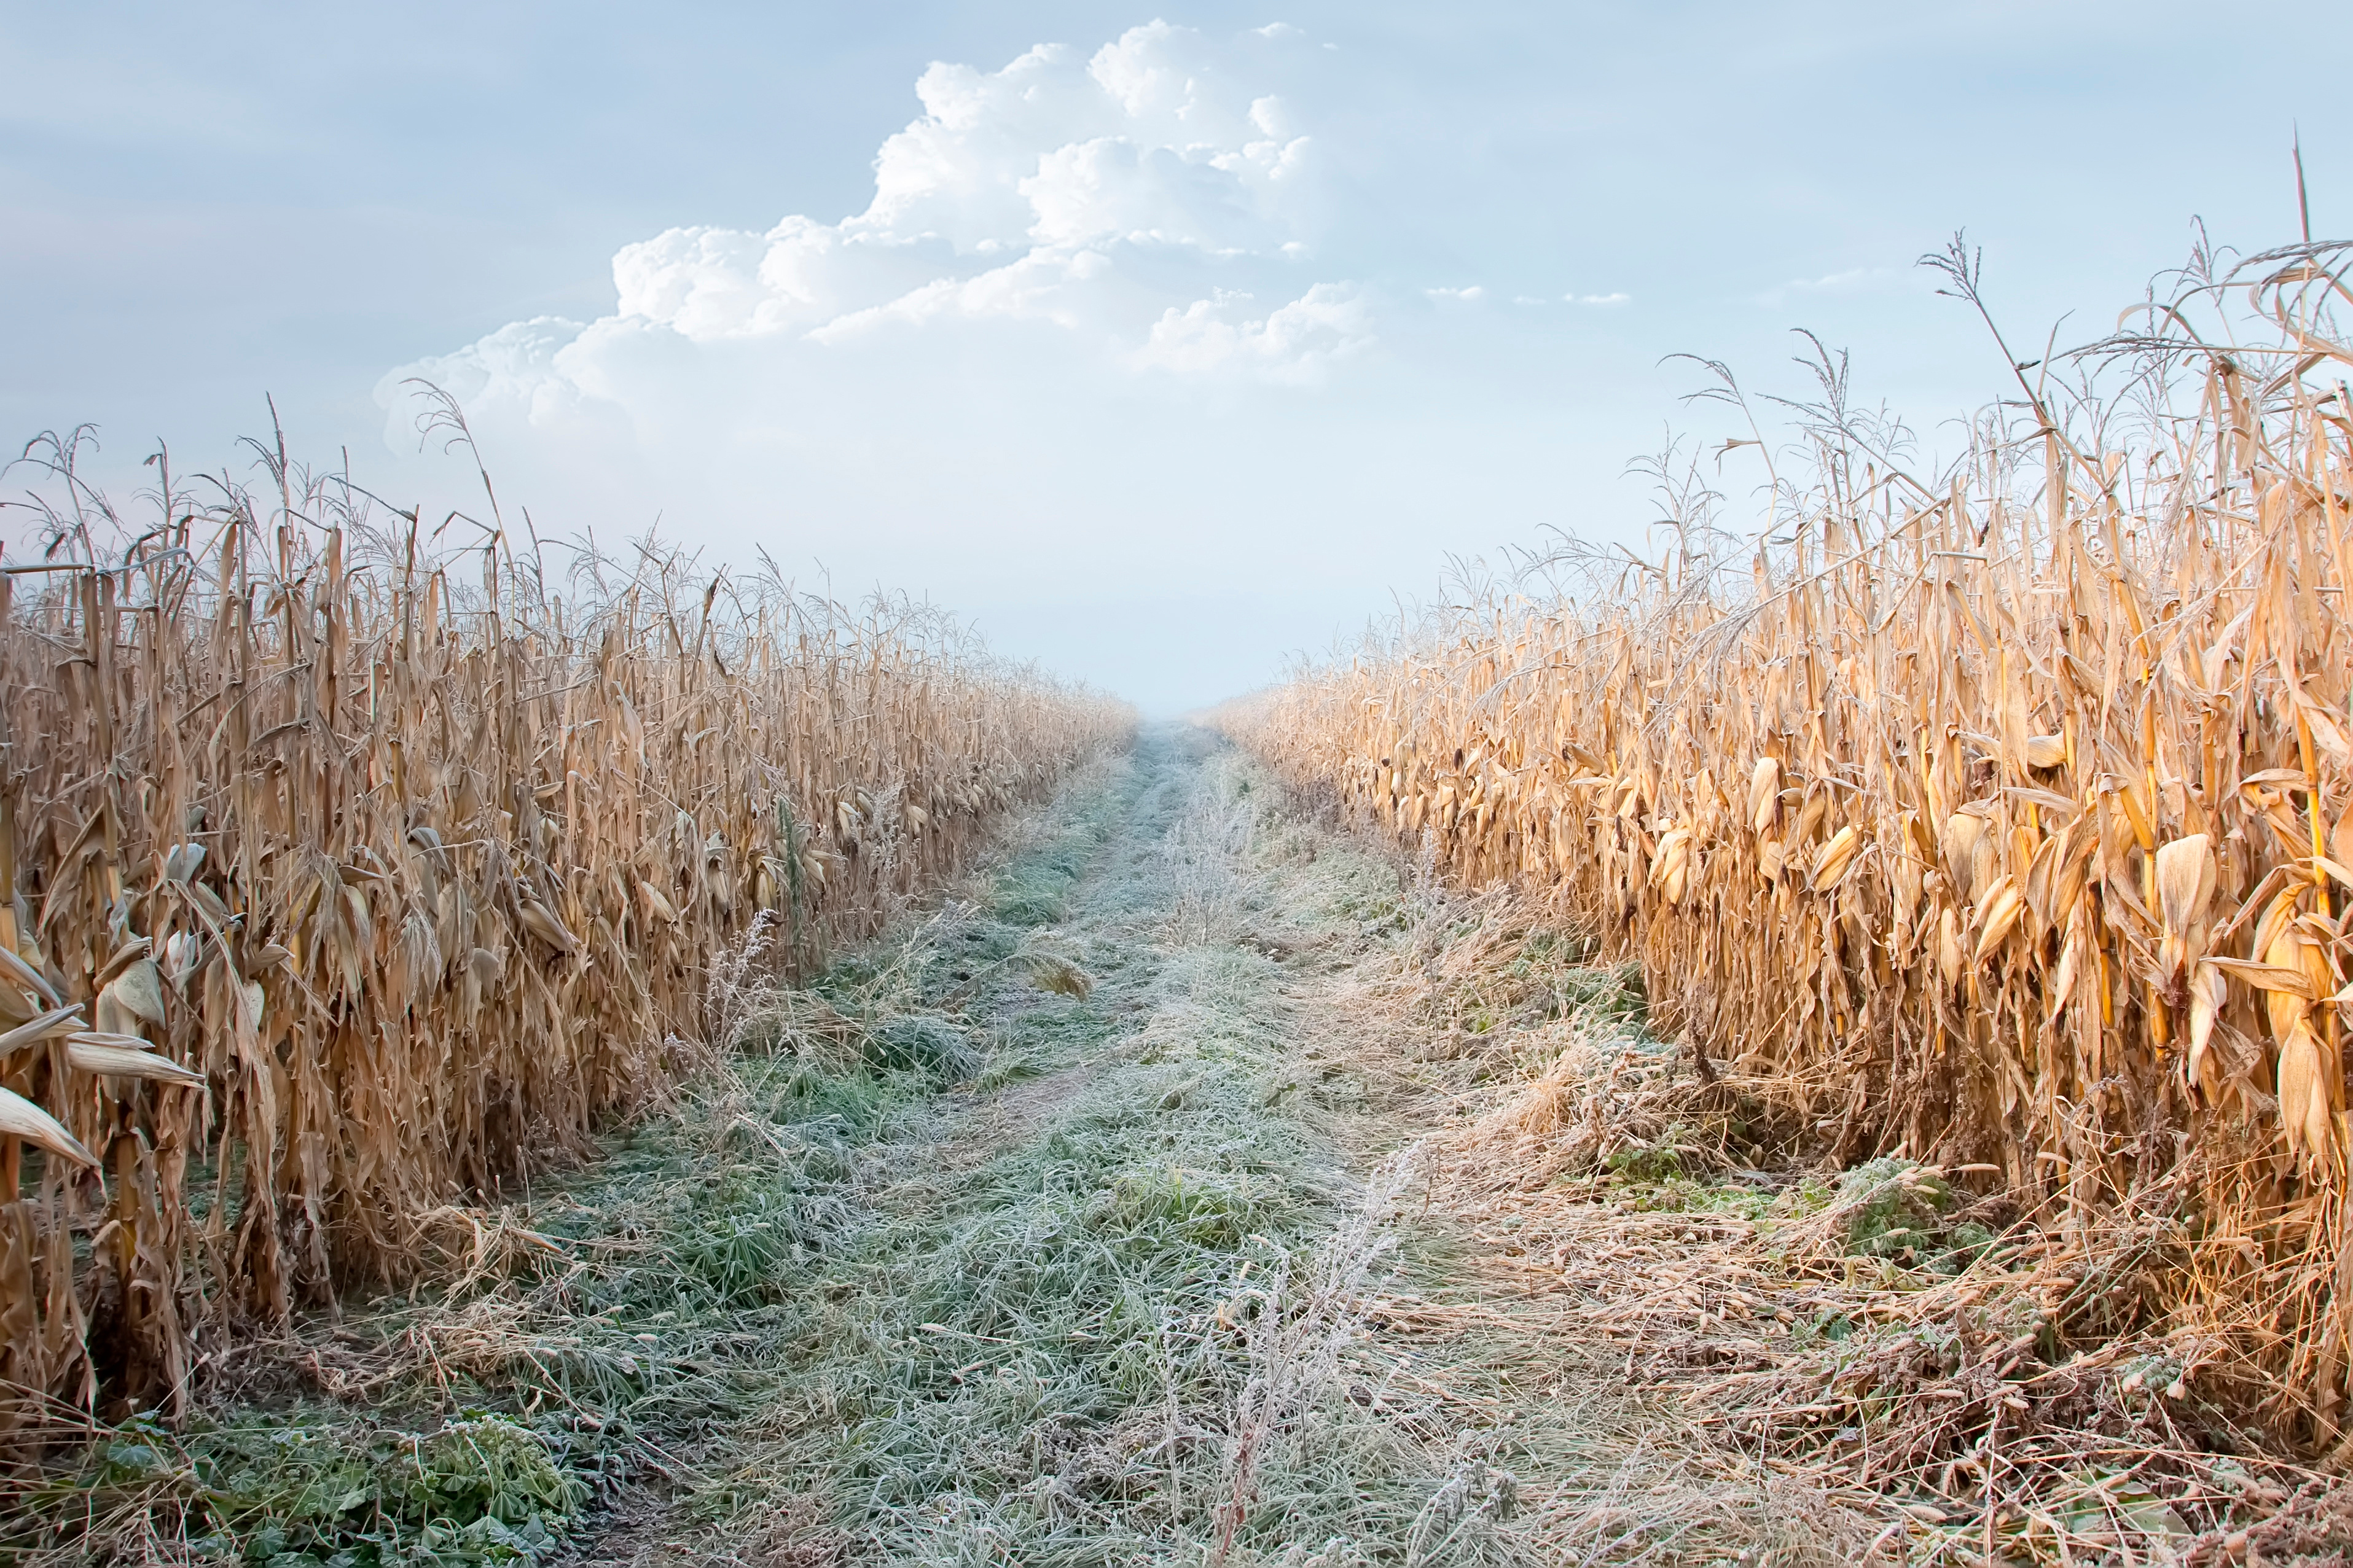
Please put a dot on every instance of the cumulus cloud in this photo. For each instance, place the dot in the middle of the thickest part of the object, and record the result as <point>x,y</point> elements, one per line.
<point>1595,299</point>
<point>1298,342</point>
<point>1152,206</point>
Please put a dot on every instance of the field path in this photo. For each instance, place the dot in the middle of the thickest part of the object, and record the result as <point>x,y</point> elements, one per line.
<point>1160,1279</point>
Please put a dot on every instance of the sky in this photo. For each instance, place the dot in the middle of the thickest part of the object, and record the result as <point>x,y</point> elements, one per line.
<point>1168,345</point>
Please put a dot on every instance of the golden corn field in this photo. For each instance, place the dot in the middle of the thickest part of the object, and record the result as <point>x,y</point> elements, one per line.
<point>1999,815</point>
<point>346,882</point>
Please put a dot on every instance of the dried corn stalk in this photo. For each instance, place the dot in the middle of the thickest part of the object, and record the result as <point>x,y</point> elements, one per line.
<point>336,884</point>
<point>2000,819</point>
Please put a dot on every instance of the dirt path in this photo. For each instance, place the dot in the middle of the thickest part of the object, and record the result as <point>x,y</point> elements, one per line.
<point>1165,1282</point>
<point>1100,1301</point>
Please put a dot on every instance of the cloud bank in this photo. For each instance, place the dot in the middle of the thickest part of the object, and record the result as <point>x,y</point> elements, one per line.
<point>1136,356</point>
<point>1155,208</point>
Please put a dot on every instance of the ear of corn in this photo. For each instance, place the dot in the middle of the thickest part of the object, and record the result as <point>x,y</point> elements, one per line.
<point>338,883</point>
<point>2046,775</point>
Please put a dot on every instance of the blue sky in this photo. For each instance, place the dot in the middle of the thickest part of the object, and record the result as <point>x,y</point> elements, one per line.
<point>1174,342</point>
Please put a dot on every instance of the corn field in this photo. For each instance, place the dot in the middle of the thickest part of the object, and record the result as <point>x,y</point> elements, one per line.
<point>346,882</point>
<point>1999,815</point>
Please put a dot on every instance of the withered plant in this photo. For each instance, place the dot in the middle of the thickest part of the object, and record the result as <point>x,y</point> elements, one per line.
<point>347,875</point>
<point>1999,816</point>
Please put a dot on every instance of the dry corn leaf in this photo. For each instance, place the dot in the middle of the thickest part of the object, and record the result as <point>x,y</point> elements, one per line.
<point>2275,977</point>
<point>92,1055</point>
<point>20,1118</point>
<point>49,1026</point>
<point>538,919</point>
<point>656,906</point>
<point>25,975</point>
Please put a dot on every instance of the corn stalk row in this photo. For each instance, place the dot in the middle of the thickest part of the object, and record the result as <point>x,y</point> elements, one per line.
<point>339,884</point>
<point>2002,819</point>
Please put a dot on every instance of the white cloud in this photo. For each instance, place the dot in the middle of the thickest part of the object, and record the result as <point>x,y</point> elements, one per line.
<point>1133,205</point>
<point>1297,342</point>
<point>1839,282</point>
<point>520,365</point>
<point>1595,299</point>
<point>1851,281</point>
<point>1473,292</point>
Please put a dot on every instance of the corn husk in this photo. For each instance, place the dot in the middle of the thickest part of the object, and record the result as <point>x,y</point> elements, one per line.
<point>1830,866</point>
<point>1764,793</point>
